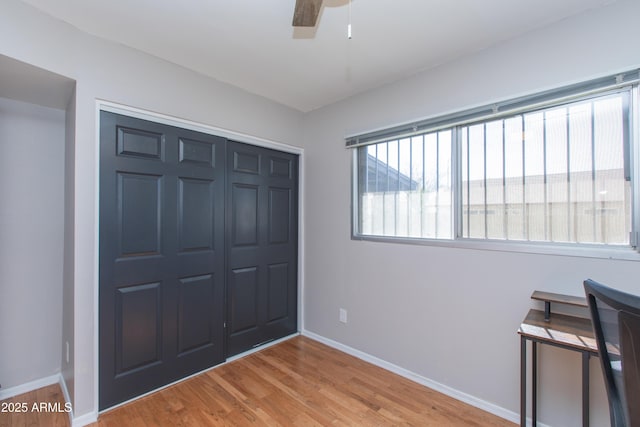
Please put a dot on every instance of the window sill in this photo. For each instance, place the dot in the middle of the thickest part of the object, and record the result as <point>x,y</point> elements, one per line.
<point>620,253</point>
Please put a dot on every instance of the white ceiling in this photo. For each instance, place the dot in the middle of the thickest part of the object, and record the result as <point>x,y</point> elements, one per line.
<point>251,43</point>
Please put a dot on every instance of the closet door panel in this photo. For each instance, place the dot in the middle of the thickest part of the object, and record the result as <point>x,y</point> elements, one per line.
<point>161,255</point>
<point>262,223</point>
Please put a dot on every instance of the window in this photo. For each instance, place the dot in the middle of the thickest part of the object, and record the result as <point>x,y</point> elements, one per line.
<point>405,187</point>
<point>552,168</point>
<point>555,175</point>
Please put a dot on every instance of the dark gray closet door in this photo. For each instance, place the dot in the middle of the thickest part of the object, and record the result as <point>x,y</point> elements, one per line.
<point>161,255</point>
<point>262,245</point>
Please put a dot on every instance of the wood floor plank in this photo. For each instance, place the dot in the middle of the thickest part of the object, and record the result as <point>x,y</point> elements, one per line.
<point>299,382</point>
<point>44,407</point>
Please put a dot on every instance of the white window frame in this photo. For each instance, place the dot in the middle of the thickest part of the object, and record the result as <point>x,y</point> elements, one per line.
<point>621,81</point>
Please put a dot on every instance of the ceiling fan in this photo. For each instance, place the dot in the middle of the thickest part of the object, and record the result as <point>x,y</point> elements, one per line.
<point>306,13</point>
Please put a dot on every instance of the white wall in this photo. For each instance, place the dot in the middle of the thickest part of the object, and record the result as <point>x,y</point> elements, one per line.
<point>107,71</point>
<point>68,340</point>
<point>447,314</point>
<point>31,241</point>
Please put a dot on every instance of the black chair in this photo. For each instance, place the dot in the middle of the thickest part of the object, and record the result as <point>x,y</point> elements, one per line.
<point>615,316</point>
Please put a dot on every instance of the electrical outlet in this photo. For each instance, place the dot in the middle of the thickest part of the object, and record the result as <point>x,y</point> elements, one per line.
<point>343,315</point>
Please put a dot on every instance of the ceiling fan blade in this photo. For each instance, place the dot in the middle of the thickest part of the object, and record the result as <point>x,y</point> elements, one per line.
<point>306,13</point>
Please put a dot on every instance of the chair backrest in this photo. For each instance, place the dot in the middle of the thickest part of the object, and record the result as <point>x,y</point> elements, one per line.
<point>615,316</point>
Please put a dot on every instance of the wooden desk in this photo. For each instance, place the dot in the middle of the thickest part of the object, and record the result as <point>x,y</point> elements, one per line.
<point>568,332</point>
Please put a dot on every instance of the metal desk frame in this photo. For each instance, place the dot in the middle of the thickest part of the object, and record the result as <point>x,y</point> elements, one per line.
<point>562,331</point>
<point>586,355</point>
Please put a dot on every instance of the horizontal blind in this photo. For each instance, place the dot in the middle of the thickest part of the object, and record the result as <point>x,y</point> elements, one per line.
<point>497,110</point>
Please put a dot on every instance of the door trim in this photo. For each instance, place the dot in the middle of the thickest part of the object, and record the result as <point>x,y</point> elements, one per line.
<point>104,105</point>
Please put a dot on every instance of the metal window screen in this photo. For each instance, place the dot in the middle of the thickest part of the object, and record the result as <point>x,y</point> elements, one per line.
<point>405,187</point>
<point>553,175</point>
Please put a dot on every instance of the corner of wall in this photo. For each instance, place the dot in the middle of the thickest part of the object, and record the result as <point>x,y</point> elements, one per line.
<point>68,342</point>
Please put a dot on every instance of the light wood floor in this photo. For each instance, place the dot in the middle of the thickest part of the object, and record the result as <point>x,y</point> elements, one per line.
<point>299,382</point>
<point>50,394</point>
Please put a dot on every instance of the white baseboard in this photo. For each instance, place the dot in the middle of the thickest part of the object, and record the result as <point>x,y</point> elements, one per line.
<point>67,396</point>
<point>84,420</point>
<point>65,390</point>
<point>92,417</point>
<point>434,385</point>
<point>74,421</point>
<point>27,387</point>
<point>45,382</point>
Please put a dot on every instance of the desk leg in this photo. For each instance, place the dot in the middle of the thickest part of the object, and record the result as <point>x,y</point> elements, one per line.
<point>534,384</point>
<point>523,382</point>
<point>585,388</point>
